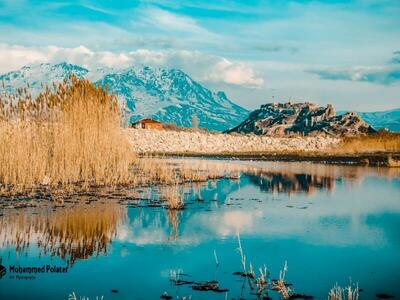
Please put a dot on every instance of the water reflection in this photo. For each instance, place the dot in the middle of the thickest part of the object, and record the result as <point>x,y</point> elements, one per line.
<point>260,203</point>
<point>70,233</point>
<point>323,219</point>
<point>174,221</point>
<point>353,173</point>
<point>278,177</point>
<point>291,183</point>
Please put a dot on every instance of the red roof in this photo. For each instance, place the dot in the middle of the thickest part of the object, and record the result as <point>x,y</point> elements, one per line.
<point>147,120</point>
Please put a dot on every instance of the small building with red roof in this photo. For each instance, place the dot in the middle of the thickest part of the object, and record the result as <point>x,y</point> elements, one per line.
<point>148,123</point>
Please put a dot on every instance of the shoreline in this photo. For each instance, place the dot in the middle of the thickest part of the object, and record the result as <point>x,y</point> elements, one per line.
<point>378,159</point>
<point>205,143</point>
<point>376,151</point>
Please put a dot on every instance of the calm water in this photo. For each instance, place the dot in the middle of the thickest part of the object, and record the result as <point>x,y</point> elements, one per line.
<point>331,224</point>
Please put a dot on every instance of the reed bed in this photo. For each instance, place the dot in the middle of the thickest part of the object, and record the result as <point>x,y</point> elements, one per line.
<point>379,142</point>
<point>70,134</point>
<point>69,139</point>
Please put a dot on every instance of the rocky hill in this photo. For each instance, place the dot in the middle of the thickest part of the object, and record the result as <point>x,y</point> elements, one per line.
<point>167,95</point>
<point>280,119</point>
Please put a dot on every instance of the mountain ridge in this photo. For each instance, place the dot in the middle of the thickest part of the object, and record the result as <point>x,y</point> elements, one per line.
<point>386,119</point>
<point>168,95</point>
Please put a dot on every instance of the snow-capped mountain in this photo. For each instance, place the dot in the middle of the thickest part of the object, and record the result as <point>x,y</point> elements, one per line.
<point>38,76</point>
<point>167,95</point>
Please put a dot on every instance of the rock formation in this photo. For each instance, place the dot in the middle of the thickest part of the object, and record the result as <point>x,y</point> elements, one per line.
<point>281,119</point>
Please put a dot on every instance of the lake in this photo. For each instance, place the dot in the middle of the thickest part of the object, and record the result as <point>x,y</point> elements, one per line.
<point>331,224</point>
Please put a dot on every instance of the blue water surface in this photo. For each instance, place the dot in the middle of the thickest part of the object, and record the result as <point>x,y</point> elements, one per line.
<point>330,224</point>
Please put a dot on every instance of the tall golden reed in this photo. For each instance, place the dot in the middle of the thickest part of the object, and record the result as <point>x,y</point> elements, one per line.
<point>68,135</point>
<point>378,142</point>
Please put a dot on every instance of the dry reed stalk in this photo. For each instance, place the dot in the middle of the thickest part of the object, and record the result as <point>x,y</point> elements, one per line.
<point>73,296</point>
<point>261,281</point>
<point>173,196</point>
<point>348,293</point>
<point>242,256</point>
<point>280,285</point>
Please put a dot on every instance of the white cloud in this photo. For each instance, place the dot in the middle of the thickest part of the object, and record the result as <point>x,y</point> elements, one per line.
<point>201,66</point>
<point>386,75</point>
<point>166,20</point>
<point>234,73</point>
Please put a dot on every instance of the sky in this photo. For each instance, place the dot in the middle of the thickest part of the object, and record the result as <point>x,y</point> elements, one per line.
<point>342,52</point>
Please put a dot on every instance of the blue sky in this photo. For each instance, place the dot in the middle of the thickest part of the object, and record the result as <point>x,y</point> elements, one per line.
<point>341,52</point>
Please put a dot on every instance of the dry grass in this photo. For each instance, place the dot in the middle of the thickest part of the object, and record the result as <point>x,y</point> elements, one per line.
<point>66,136</point>
<point>348,293</point>
<point>280,284</point>
<point>174,127</point>
<point>150,170</point>
<point>174,196</point>
<point>379,142</point>
<point>73,296</point>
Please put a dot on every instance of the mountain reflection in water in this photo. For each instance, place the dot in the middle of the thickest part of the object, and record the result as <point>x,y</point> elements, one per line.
<point>280,183</point>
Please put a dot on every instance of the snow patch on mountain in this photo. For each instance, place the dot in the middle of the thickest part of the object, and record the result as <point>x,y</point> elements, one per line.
<point>36,77</point>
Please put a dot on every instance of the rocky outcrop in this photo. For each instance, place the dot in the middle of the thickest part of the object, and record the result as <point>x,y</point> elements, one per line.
<point>282,119</point>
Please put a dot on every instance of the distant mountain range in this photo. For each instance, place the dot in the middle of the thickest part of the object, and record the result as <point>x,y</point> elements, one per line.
<point>167,95</point>
<point>389,119</point>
